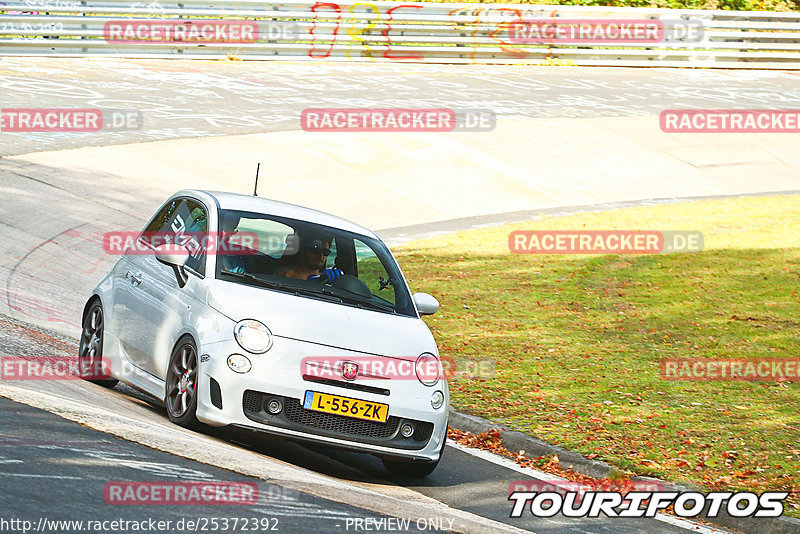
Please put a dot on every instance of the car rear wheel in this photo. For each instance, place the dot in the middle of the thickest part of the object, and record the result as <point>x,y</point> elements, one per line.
<point>90,349</point>
<point>181,386</point>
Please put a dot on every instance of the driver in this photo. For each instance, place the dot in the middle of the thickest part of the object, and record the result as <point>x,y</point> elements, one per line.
<point>308,263</point>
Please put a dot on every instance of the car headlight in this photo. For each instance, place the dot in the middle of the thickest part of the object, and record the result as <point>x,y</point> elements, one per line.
<point>428,369</point>
<point>253,336</point>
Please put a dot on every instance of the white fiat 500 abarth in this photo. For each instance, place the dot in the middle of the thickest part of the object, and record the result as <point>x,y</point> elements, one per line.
<point>238,310</point>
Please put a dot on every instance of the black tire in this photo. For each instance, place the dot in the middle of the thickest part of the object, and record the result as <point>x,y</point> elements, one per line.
<point>418,469</point>
<point>181,384</point>
<point>90,349</point>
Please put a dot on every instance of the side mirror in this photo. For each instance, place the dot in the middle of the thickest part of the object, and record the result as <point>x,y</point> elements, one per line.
<point>426,304</point>
<point>174,256</point>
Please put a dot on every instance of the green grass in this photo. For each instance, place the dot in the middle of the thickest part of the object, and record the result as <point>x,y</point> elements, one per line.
<point>578,339</point>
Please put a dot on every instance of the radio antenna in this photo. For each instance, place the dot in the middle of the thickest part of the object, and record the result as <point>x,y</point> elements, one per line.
<point>255,189</point>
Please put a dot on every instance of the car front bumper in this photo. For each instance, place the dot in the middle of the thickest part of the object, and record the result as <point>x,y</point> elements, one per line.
<point>229,398</point>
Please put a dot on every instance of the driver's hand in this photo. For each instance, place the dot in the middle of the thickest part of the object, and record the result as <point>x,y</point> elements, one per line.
<point>328,275</point>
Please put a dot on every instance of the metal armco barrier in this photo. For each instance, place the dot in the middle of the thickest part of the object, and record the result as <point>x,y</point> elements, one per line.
<point>396,31</point>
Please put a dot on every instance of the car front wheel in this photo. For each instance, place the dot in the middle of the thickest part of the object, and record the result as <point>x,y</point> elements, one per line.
<point>406,469</point>
<point>181,386</point>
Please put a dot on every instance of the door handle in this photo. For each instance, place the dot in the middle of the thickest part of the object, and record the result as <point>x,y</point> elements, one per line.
<point>136,279</point>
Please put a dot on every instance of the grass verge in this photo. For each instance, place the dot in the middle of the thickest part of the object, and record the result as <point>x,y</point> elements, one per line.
<point>577,339</point>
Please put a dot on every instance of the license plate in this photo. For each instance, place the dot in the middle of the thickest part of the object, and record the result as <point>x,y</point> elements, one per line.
<point>359,409</point>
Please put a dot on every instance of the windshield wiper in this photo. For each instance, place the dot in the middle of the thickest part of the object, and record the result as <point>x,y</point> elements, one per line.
<point>256,280</point>
<point>319,294</point>
<point>283,287</point>
<point>366,303</point>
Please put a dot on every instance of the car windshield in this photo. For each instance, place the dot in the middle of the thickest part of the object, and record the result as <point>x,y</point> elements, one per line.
<point>310,260</point>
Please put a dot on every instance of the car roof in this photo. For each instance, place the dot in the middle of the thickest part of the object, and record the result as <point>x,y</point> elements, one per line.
<point>236,201</point>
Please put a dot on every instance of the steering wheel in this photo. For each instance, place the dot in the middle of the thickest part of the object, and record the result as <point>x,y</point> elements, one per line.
<point>351,283</point>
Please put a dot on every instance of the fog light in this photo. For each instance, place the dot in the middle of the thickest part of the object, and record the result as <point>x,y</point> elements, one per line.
<point>274,406</point>
<point>406,430</point>
<point>437,399</point>
<point>239,364</point>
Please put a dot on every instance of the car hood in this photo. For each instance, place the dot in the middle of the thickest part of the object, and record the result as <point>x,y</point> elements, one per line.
<point>324,323</point>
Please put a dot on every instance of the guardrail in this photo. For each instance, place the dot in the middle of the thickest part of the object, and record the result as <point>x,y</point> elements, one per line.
<point>397,31</point>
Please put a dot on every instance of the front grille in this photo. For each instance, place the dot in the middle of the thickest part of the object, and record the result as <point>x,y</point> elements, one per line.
<point>252,401</point>
<point>339,423</point>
